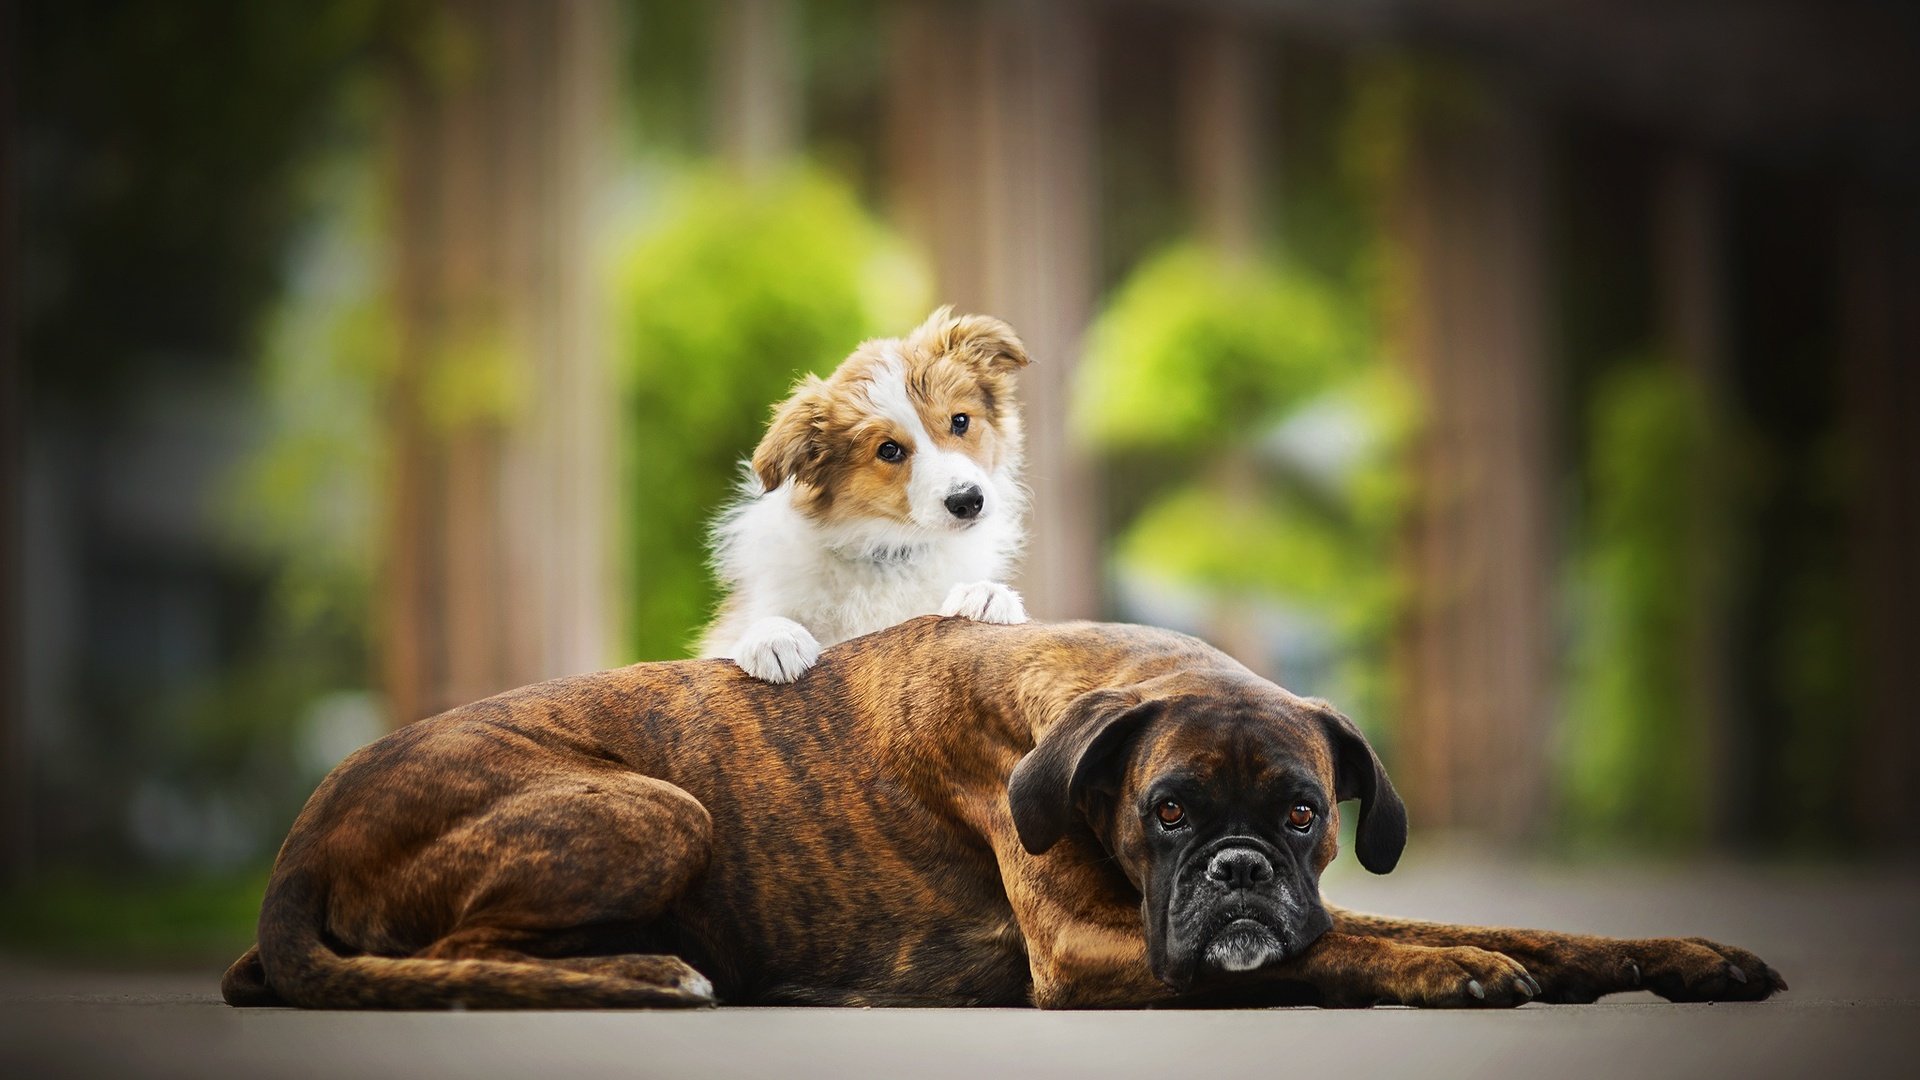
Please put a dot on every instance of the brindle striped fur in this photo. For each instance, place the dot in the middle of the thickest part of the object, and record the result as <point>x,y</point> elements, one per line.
<point>610,839</point>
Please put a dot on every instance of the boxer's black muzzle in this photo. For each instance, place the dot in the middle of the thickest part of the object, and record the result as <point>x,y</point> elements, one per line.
<point>1228,907</point>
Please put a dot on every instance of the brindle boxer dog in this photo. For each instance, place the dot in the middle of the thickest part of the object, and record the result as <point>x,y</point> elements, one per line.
<point>943,813</point>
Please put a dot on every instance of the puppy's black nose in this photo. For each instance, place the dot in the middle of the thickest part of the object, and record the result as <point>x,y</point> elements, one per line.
<point>966,503</point>
<point>1240,868</point>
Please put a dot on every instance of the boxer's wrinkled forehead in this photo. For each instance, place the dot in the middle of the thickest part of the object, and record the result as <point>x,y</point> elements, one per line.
<point>1260,745</point>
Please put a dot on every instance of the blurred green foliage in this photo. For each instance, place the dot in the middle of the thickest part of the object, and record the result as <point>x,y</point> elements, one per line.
<point>839,50</point>
<point>1654,569</point>
<point>306,502</point>
<point>170,185</point>
<point>744,287</point>
<point>667,46</point>
<point>1812,779</point>
<point>127,921</point>
<point>1801,629</point>
<point>1196,352</point>
<point>1234,377</point>
<point>1694,601</point>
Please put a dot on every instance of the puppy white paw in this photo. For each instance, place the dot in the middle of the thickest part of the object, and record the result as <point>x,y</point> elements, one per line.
<point>776,650</point>
<point>985,601</point>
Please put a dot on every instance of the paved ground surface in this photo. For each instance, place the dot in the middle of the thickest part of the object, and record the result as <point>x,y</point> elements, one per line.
<point>1847,940</point>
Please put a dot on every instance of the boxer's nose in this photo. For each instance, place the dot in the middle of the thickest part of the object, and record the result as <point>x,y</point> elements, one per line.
<point>1240,868</point>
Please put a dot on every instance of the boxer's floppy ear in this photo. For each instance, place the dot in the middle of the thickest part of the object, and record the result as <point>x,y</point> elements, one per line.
<point>793,444</point>
<point>1044,791</point>
<point>1358,774</point>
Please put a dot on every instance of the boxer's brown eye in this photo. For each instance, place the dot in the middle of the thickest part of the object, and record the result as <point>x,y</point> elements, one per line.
<point>1170,813</point>
<point>1300,816</point>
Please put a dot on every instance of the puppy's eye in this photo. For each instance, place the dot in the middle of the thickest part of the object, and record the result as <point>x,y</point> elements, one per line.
<point>959,423</point>
<point>1170,813</point>
<point>891,451</point>
<point>1300,817</point>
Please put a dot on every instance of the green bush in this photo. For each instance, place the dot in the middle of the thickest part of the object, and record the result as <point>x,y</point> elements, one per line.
<point>1193,379</point>
<point>1196,352</point>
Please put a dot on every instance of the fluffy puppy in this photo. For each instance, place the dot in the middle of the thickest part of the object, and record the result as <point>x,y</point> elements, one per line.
<point>887,490</point>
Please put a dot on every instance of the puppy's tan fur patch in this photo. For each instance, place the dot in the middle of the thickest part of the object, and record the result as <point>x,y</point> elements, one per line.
<point>826,437</point>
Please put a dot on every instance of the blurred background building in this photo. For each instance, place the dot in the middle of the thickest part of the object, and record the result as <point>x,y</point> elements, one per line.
<point>1530,378</point>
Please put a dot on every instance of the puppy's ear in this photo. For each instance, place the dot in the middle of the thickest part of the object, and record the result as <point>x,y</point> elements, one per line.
<point>1382,833</point>
<point>794,445</point>
<point>1082,747</point>
<point>980,341</point>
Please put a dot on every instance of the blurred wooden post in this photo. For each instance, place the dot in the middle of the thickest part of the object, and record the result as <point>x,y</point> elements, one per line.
<point>1475,649</point>
<point>756,86</point>
<point>932,124</point>
<point>991,125</point>
<point>1688,215</point>
<point>497,568</point>
<point>16,788</point>
<point>1223,155</point>
<point>1880,340</point>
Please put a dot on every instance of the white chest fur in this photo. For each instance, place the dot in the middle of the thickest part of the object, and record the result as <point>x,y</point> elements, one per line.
<point>845,580</point>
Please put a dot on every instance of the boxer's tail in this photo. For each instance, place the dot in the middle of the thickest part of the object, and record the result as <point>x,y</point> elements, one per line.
<point>295,965</point>
<point>244,986</point>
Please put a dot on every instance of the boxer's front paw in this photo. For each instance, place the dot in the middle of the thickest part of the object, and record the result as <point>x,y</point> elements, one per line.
<point>985,601</point>
<point>1695,969</point>
<point>1451,977</point>
<point>1577,970</point>
<point>776,650</point>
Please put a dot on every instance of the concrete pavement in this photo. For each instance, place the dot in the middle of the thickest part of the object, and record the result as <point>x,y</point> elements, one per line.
<point>1847,940</point>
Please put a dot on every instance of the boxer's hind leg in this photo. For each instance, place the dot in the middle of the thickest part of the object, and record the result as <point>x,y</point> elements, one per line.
<point>543,875</point>
<point>1584,967</point>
